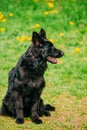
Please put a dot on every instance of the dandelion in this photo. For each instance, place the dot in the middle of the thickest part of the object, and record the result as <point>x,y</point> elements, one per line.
<point>35,0</point>
<point>36,25</point>
<point>60,61</point>
<point>21,39</point>
<point>4,20</point>
<point>18,38</point>
<point>52,0</point>
<point>52,40</point>
<point>51,12</point>
<point>50,5</point>
<point>46,13</point>
<point>62,34</point>
<point>2,29</point>
<point>11,14</point>
<point>71,23</point>
<point>1,16</point>
<point>29,38</point>
<point>77,50</point>
<point>55,11</point>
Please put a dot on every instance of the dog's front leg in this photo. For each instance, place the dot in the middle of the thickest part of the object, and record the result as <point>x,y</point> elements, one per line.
<point>35,116</point>
<point>19,108</point>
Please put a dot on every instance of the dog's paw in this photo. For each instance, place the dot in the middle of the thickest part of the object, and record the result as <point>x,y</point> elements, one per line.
<point>49,107</point>
<point>19,120</point>
<point>37,121</point>
<point>47,113</point>
<point>40,114</point>
<point>2,112</point>
<point>52,108</point>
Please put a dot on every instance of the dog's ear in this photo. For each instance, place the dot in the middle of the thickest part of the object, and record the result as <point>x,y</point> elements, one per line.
<point>42,33</point>
<point>36,39</point>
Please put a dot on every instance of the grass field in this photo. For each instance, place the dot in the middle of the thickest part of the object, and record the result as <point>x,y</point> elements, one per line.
<point>65,22</point>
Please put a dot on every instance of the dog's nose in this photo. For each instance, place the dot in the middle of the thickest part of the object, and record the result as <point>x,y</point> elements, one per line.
<point>62,53</point>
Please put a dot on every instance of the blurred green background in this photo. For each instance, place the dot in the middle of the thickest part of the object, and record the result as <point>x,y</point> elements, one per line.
<point>65,22</point>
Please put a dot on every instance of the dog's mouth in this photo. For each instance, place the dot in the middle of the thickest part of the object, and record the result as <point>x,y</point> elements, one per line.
<point>52,60</point>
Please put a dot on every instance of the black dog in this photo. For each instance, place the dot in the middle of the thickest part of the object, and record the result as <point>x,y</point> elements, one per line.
<point>26,81</point>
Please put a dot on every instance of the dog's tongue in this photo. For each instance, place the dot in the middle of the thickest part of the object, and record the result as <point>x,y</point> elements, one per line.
<point>52,60</point>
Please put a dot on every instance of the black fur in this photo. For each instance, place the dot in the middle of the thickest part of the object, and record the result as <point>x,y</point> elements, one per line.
<point>26,81</point>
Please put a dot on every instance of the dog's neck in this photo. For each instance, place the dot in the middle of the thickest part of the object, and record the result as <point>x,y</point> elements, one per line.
<point>36,66</point>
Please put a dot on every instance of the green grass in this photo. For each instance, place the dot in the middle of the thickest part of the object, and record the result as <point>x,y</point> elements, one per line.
<point>66,83</point>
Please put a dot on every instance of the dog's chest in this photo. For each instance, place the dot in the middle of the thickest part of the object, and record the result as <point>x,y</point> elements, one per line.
<point>34,86</point>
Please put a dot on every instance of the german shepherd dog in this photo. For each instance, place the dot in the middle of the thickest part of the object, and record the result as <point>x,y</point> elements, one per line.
<point>26,81</point>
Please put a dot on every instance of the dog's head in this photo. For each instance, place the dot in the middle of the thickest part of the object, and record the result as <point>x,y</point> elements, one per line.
<point>46,48</point>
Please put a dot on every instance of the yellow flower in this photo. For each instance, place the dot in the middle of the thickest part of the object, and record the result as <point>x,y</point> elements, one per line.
<point>52,40</point>
<point>55,11</point>
<point>29,38</point>
<point>35,0</point>
<point>2,29</point>
<point>4,20</point>
<point>62,34</point>
<point>51,12</point>
<point>52,0</point>
<point>50,4</point>
<point>76,50</point>
<point>11,14</point>
<point>60,61</point>
<point>1,16</point>
<point>46,13</point>
<point>22,39</point>
<point>36,25</point>
<point>71,22</point>
<point>18,38</point>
